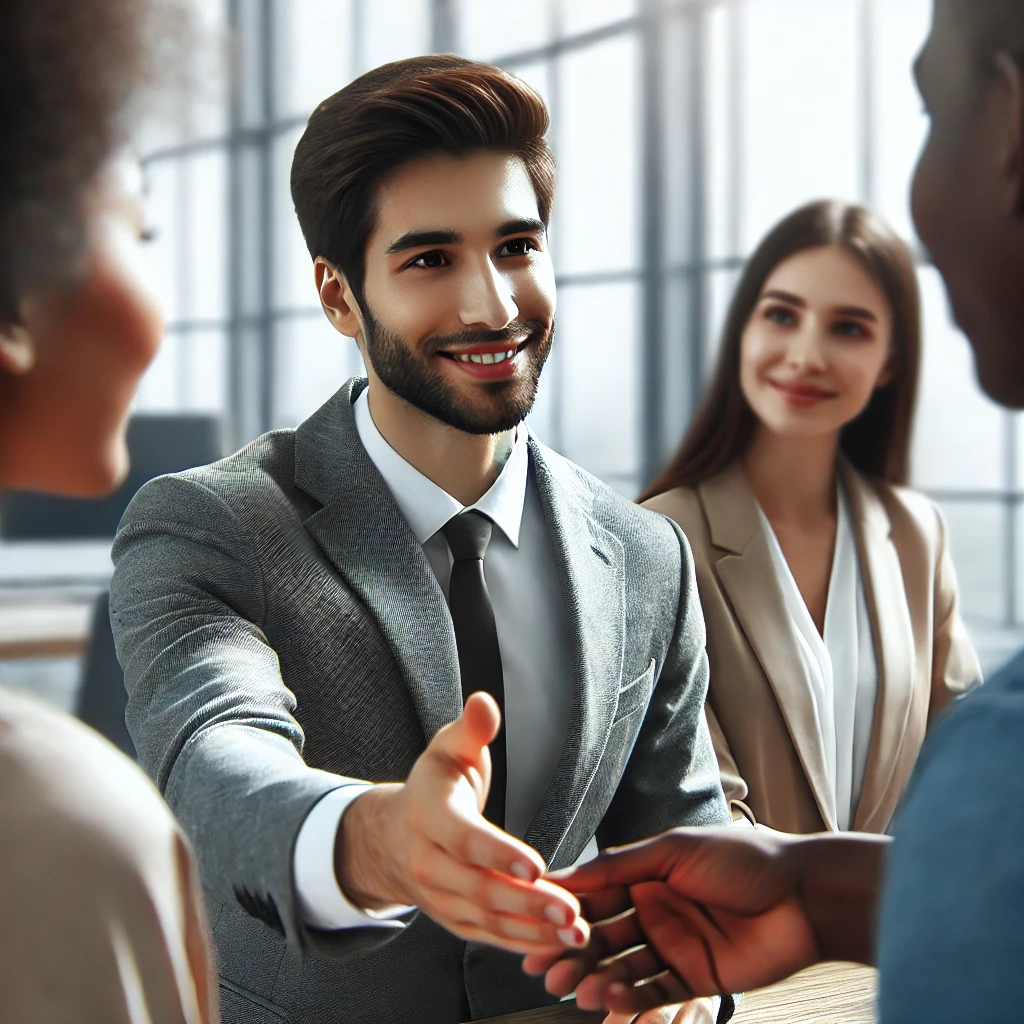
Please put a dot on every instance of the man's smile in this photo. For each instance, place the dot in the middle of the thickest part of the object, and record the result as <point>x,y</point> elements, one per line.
<point>488,361</point>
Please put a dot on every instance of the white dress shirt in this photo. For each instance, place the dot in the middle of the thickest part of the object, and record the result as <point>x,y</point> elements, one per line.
<point>533,629</point>
<point>840,665</point>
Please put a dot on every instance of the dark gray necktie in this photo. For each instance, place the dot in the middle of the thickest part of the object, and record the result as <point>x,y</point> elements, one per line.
<point>476,637</point>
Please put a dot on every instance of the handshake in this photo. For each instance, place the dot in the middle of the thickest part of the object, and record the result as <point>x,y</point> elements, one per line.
<point>691,913</point>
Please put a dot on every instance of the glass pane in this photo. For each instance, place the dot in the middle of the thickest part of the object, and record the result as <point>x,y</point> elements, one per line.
<point>159,262</point>
<point>677,365</point>
<point>680,149</point>
<point>315,49</point>
<point>722,131</point>
<point>600,359</point>
<point>392,30</point>
<point>958,439</point>
<point>976,538</point>
<point>160,389</point>
<point>801,109</point>
<point>490,30</point>
<point>597,208</point>
<point>293,286</point>
<point>899,31</point>
<point>204,271</point>
<point>203,371</point>
<point>581,15</point>
<point>193,101</point>
<point>720,287</point>
<point>313,361</point>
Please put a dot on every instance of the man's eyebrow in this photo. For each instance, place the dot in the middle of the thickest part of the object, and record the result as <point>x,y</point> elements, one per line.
<point>415,239</point>
<point>856,313</point>
<point>781,296</point>
<point>520,226</point>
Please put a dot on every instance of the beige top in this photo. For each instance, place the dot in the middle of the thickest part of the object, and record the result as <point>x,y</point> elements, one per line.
<point>101,915</point>
<point>761,718</point>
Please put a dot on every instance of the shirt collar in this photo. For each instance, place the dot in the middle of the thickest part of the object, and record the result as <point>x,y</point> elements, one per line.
<point>428,507</point>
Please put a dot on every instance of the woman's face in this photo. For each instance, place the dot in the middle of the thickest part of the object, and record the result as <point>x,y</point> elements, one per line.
<point>817,344</point>
<point>72,366</point>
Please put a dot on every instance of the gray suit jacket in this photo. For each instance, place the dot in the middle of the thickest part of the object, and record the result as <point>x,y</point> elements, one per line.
<point>280,628</point>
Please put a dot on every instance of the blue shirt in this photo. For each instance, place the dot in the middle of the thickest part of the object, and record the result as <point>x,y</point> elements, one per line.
<point>951,938</point>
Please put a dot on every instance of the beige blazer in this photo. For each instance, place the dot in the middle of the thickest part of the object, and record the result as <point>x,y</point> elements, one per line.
<point>101,914</point>
<point>761,719</point>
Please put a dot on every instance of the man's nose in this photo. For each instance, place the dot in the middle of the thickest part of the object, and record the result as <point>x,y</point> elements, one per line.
<point>487,298</point>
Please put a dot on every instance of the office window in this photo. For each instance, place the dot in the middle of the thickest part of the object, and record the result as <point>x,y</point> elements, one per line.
<point>683,128</point>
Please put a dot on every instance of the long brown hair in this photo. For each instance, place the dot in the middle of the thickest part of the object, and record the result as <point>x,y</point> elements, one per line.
<point>877,442</point>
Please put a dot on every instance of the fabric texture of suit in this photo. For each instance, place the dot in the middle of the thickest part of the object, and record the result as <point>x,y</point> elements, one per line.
<point>759,710</point>
<point>280,626</point>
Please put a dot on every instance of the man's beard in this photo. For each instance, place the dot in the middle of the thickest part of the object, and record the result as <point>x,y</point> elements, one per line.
<point>501,404</point>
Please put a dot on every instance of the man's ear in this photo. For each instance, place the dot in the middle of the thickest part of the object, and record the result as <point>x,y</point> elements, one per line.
<point>1011,78</point>
<point>337,299</point>
<point>17,350</point>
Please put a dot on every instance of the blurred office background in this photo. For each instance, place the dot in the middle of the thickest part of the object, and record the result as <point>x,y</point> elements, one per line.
<point>683,129</point>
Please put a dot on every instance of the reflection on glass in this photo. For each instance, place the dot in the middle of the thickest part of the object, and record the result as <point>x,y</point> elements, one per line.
<point>899,31</point>
<point>801,109</point>
<point>599,151</point>
<point>958,439</point>
<point>582,15</point>
<point>600,363</point>
<point>393,29</point>
<point>491,30</point>
<point>315,46</point>
<point>313,361</point>
<point>976,538</point>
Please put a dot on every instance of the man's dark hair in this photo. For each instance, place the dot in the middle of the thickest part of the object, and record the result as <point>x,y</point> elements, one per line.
<point>395,114</point>
<point>67,71</point>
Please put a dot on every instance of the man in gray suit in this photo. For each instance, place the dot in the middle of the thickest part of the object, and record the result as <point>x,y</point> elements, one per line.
<point>302,625</point>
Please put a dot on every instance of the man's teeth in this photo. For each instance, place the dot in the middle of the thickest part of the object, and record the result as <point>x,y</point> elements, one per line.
<point>486,357</point>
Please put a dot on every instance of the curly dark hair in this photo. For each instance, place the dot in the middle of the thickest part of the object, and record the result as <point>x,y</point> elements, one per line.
<point>68,72</point>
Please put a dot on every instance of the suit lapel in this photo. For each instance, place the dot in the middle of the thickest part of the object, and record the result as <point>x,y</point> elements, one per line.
<point>590,565</point>
<point>747,574</point>
<point>361,529</point>
<point>892,633</point>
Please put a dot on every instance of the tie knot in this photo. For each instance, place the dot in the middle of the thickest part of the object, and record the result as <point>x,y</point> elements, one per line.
<point>468,535</point>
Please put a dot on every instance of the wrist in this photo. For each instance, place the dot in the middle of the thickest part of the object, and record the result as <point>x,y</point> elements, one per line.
<point>839,878</point>
<point>363,850</point>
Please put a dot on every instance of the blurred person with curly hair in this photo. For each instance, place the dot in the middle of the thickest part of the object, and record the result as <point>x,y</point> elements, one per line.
<point>101,918</point>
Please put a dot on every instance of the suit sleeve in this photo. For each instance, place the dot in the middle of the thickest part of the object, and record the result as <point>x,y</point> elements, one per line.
<point>955,667</point>
<point>672,777</point>
<point>209,712</point>
<point>733,784</point>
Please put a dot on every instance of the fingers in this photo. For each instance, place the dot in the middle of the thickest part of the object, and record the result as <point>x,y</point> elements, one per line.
<point>608,939</point>
<point>597,908</point>
<point>465,739</point>
<point>496,908</point>
<point>650,859</point>
<point>459,829</point>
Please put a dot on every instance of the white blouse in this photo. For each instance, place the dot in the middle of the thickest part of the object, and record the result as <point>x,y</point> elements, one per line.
<point>840,667</point>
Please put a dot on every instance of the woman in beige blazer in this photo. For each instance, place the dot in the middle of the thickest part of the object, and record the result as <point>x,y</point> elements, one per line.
<point>833,631</point>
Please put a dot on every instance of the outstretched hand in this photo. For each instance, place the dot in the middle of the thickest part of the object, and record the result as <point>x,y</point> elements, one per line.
<point>426,843</point>
<point>695,912</point>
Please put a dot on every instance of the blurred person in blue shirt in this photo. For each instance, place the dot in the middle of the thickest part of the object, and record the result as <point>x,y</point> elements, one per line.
<point>939,907</point>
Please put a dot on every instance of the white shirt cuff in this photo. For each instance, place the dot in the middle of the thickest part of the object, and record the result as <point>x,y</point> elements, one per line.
<point>322,904</point>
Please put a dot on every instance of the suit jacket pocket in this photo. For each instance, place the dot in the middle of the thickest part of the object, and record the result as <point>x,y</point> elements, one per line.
<point>635,695</point>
